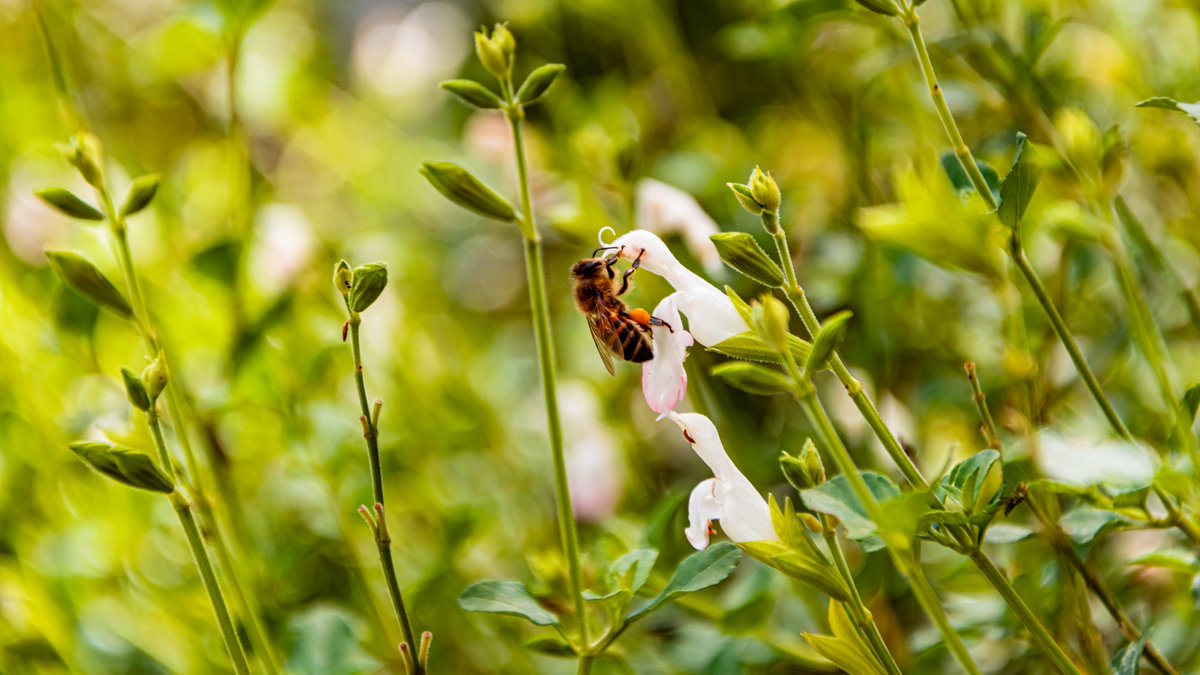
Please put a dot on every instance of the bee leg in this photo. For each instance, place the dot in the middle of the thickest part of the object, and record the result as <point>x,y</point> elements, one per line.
<point>655,321</point>
<point>605,248</point>
<point>637,262</point>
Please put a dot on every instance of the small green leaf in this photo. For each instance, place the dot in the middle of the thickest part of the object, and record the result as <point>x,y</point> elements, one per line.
<point>1018,187</point>
<point>752,378</point>
<point>834,497</point>
<point>461,187</point>
<point>631,571</point>
<point>538,83</point>
<point>472,93</point>
<point>65,202</point>
<point>123,465</point>
<point>369,281</point>
<point>962,183</point>
<point>1192,110</point>
<point>696,573</point>
<point>1191,400</point>
<point>966,480</point>
<point>505,597</point>
<point>885,7</point>
<point>742,307</point>
<point>744,197</point>
<point>1125,662</point>
<point>749,347</point>
<point>831,334</point>
<point>741,252</point>
<point>550,645</point>
<point>219,261</point>
<point>83,277</point>
<point>1084,524</point>
<point>135,390</point>
<point>140,194</point>
<point>798,566</point>
<point>1175,559</point>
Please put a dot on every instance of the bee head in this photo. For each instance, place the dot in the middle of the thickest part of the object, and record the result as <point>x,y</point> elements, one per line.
<point>590,268</point>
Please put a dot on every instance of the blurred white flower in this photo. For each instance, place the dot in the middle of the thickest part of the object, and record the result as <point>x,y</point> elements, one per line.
<point>711,315</point>
<point>728,496</point>
<point>1112,463</point>
<point>30,225</point>
<point>283,247</point>
<point>595,473</point>
<point>664,380</point>
<point>406,54</point>
<point>664,209</point>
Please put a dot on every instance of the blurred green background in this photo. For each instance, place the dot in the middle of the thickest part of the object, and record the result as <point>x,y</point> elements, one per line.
<point>314,158</point>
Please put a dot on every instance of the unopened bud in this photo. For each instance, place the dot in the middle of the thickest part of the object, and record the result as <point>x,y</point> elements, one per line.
<point>85,153</point>
<point>503,38</point>
<point>343,277</point>
<point>155,377</point>
<point>806,471</point>
<point>135,390</point>
<point>771,323</point>
<point>765,190</point>
<point>490,54</point>
<point>745,198</point>
<point>812,523</point>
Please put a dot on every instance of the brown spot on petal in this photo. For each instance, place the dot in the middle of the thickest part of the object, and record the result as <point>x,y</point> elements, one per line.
<point>688,437</point>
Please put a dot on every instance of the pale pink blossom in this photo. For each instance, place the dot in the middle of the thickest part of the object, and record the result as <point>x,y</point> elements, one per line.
<point>728,496</point>
<point>595,472</point>
<point>664,209</point>
<point>664,379</point>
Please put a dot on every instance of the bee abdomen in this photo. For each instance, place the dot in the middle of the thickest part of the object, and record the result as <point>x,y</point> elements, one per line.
<point>635,343</point>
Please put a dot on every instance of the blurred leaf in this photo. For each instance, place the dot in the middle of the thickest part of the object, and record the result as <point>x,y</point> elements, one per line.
<point>1192,110</point>
<point>752,378</point>
<point>220,260</point>
<point>1018,188</point>
<point>538,83</point>
<point>505,597</point>
<point>1006,533</point>
<point>123,465</point>
<point>631,571</point>
<point>1125,662</point>
<point>141,192</point>
<point>696,573</point>
<point>464,189</point>
<point>74,312</point>
<point>65,202</point>
<point>1191,400</point>
<point>551,645</point>
<point>83,277</point>
<point>885,7</point>
<point>749,347</point>
<point>324,642</point>
<point>742,253</point>
<point>831,334</point>
<point>1175,559</point>
<point>135,390</point>
<point>847,649</point>
<point>962,182</point>
<point>834,497</point>
<point>1083,524</point>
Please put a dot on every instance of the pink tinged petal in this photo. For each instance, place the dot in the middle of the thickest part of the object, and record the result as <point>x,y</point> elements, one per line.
<point>664,379</point>
<point>703,508</point>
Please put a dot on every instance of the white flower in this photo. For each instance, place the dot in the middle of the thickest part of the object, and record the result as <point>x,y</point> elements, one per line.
<point>595,472</point>
<point>711,315</point>
<point>728,496</point>
<point>663,209</point>
<point>664,380</point>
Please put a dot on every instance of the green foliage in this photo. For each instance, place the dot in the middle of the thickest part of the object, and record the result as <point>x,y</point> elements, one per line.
<point>505,597</point>
<point>123,465</point>
<point>461,187</point>
<point>84,278</point>
<point>749,347</point>
<point>1018,186</point>
<point>696,573</point>
<point>743,254</point>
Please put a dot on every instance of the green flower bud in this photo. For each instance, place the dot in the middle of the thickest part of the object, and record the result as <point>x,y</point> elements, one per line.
<point>135,390</point>
<point>765,191</point>
<point>123,465</point>
<point>490,54</point>
<point>742,253</point>
<point>459,186</point>
<point>85,153</point>
<point>806,471</point>
<point>155,377</point>
<point>771,322</point>
<point>812,462</point>
<point>369,281</point>
<point>343,278</point>
<point>84,278</point>
<point>885,7</point>
<point>503,38</point>
<point>745,198</point>
<point>832,332</point>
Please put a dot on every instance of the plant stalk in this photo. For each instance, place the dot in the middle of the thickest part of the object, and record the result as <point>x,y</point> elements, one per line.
<point>535,273</point>
<point>383,540</point>
<point>858,610</point>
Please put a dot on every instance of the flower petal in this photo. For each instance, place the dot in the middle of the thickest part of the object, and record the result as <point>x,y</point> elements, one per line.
<point>662,208</point>
<point>703,508</point>
<point>664,380</point>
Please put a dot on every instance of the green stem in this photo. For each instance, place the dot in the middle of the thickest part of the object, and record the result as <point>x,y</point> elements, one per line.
<point>383,540</point>
<point>989,426</point>
<point>534,270</point>
<point>183,509</point>
<point>858,610</point>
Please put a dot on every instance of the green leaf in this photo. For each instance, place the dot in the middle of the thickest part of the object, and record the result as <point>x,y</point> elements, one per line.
<point>749,347</point>
<point>141,192</point>
<point>1084,524</point>
<point>325,642</point>
<point>369,281</point>
<point>847,649</point>
<point>551,645</point>
<point>1192,110</point>
<point>1018,188</point>
<point>1191,400</point>
<point>696,573</point>
<point>219,261</point>
<point>834,497</point>
<point>741,252</point>
<point>505,597</point>
<point>631,571</point>
<point>538,83</point>
<point>123,465</point>
<point>962,183</point>
<point>464,189</point>
<point>742,307</point>
<point>792,562</point>
<point>752,378</point>
<point>135,390</point>
<point>472,93</point>
<point>885,7</point>
<point>831,334</point>
<point>1125,662</point>
<point>84,278</point>
<point>967,481</point>
<point>64,201</point>
<point>1175,559</point>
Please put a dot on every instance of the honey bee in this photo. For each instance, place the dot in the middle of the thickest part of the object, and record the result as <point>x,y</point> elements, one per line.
<point>615,328</point>
<point>1014,500</point>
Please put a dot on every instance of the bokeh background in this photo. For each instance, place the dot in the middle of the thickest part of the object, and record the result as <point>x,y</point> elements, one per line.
<point>306,151</point>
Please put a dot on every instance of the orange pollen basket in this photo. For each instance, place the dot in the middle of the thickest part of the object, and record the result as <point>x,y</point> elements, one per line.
<point>640,315</point>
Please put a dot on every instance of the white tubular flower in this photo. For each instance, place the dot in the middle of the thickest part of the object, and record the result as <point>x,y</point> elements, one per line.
<point>595,471</point>
<point>728,497</point>
<point>664,380</point>
<point>662,209</point>
<point>711,315</point>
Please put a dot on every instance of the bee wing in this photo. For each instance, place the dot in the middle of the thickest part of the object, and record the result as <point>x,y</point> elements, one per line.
<point>597,332</point>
